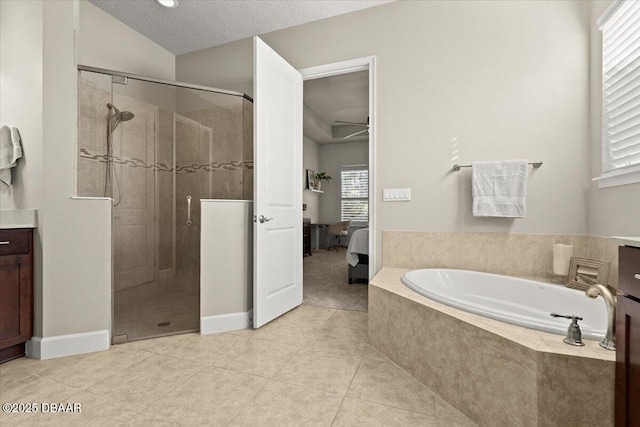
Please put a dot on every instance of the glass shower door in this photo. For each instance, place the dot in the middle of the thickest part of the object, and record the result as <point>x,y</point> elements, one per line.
<point>157,150</point>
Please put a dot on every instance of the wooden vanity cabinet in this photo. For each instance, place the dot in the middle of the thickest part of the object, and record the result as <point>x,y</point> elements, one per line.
<point>628,339</point>
<point>16,292</point>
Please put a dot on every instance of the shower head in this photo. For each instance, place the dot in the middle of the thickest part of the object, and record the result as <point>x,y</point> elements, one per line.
<point>121,116</point>
<point>126,116</point>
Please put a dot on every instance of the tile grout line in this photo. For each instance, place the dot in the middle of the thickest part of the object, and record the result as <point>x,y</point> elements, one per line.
<point>347,392</point>
<point>167,393</point>
<point>424,385</point>
<point>250,400</point>
<point>142,361</point>
<point>287,361</point>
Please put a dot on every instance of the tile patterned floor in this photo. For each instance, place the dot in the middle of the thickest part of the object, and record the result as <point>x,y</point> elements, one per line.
<point>140,309</point>
<point>313,366</point>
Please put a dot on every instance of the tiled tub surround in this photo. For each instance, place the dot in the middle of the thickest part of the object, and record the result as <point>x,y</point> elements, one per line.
<point>606,249</point>
<point>522,255</point>
<point>495,373</point>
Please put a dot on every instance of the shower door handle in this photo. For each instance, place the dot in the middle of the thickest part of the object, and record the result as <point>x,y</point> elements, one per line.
<point>188,210</point>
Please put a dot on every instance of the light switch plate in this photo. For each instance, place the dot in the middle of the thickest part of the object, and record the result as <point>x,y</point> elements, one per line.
<point>396,194</point>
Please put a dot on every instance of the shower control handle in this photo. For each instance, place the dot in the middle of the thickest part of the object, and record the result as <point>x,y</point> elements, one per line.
<point>4,243</point>
<point>263,219</point>
<point>188,210</point>
<point>566,316</point>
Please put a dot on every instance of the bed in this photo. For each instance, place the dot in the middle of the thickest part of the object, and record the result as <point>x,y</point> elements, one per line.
<point>358,256</point>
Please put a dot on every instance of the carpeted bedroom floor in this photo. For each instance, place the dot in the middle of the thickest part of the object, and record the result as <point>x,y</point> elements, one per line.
<point>326,282</point>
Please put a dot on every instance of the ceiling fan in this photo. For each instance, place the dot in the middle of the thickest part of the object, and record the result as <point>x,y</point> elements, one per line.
<point>365,125</point>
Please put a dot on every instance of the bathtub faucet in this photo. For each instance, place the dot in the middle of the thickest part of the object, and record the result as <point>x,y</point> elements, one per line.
<point>609,340</point>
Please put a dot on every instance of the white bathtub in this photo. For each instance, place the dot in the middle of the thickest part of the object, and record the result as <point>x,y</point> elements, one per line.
<point>509,299</point>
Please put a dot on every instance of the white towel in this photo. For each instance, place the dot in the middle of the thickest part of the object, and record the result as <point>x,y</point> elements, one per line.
<point>10,152</point>
<point>500,189</point>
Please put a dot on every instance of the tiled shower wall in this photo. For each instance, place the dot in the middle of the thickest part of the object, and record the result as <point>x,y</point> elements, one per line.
<point>92,131</point>
<point>210,164</point>
<point>524,255</point>
<point>204,152</point>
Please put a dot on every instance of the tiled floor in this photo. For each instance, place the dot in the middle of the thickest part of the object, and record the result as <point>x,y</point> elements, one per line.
<point>139,310</point>
<point>312,366</point>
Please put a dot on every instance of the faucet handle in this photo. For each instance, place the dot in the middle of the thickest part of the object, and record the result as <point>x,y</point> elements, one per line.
<point>574,335</point>
<point>572,317</point>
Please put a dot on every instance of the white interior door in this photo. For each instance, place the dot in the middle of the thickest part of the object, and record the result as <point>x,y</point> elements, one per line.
<point>277,113</point>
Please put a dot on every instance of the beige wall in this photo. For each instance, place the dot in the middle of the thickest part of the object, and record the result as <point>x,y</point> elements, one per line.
<point>76,242</point>
<point>501,79</point>
<point>613,211</point>
<point>228,66</point>
<point>21,106</point>
<point>20,96</point>
<point>105,42</point>
<point>310,160</point>
<point>38,94</point>
<point>332,158</point>
<point>227,276</point>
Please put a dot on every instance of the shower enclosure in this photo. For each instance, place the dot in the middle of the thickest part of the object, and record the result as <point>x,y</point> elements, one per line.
<point>156,148</point>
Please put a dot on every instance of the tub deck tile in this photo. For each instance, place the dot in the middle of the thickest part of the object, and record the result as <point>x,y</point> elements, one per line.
<point>495,373</point>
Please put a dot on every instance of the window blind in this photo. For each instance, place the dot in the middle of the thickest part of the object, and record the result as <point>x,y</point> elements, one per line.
<point>621,88</point>
<point>354,189</point>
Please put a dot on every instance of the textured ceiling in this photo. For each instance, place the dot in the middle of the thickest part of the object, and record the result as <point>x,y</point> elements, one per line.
<point>344,97</point>
<point>198,24</point>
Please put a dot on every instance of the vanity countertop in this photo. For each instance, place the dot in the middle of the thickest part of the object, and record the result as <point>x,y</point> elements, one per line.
<point>627,241</point>
<point>18,218</point>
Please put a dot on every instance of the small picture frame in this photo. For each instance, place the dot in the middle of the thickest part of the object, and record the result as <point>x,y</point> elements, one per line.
<point>311,179</point>
<point>585,272</point>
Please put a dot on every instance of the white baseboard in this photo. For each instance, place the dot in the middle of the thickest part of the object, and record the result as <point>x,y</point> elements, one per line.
<point>66,345</point>
<point>225,322</point>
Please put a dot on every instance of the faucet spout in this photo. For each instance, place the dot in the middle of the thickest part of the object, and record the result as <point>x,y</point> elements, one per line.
<point>609,341</point>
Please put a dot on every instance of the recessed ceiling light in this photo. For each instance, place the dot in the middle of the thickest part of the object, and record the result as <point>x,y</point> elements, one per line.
<point>168,3</point>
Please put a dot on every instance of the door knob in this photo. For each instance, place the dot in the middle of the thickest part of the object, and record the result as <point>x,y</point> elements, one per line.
<point>263,218</point>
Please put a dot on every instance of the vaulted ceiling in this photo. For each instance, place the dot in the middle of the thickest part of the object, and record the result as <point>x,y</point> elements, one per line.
<point>198,24</point>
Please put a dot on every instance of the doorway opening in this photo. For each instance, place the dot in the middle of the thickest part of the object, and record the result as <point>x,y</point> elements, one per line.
<point>338,214</point>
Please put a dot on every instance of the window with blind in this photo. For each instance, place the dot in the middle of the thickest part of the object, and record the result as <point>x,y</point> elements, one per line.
<point>354,190</point>
<point>621,90</point>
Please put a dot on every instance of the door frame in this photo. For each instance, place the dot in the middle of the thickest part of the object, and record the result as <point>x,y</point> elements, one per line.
<point>367,63</point>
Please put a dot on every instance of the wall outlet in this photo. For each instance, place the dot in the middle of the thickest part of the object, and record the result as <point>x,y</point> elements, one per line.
<point>396,194</point>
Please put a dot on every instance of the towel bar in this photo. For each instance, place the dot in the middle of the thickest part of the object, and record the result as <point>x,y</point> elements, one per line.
<point>457,167</point>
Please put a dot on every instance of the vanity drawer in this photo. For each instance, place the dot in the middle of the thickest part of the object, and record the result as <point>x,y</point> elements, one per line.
<point>15,242</point>
<point>629,271</point>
